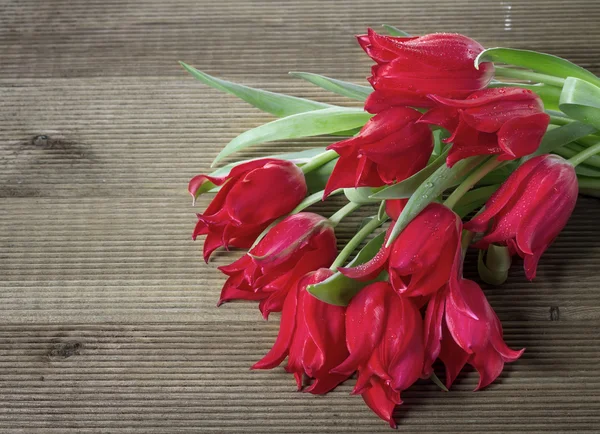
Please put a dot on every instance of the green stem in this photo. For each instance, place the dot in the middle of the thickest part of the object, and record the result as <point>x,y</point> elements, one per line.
<point>356,240</point>
<point>318,161</point>
<point>529,76</point>
<point>346,210</point>
<point>587,183</point>
<point>471,180</point>
<point>583,155</point>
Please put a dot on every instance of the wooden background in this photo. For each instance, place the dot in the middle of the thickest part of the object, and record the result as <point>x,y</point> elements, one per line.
<point>107,312</point>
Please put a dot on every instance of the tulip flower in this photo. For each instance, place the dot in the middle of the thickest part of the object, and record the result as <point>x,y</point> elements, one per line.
<point>391,147</point>
<point>529,210</point>
<point>295,246</point>
<point>461,327</point>
<point>252,196</point>
<point>508,122</point>
<point>420,260</point>
<point>385,342</point>
<point>408,69</point>
<point>312,336</point>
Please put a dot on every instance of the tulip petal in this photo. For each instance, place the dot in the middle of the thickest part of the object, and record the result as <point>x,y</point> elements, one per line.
<point>452,355</point>
<point>365,319</point>
<point>280,348</point>
<point>380,401</point>
<point>433,331</point>
<point>489,364</point>
<point>522,136</point>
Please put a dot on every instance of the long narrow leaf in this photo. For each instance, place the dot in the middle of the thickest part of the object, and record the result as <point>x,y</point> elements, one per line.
<point>557,137</point>
<point>581,100</point>
<point>275,103</point>
<point>344,88</point>
<point>539,62</point>
<point>313,123</point>
<point>395,31</point>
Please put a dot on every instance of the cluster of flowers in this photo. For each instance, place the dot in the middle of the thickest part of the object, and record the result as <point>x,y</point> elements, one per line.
<point>415,305</point>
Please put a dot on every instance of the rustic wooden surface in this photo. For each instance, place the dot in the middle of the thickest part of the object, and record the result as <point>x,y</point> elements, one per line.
<point>107,316</point>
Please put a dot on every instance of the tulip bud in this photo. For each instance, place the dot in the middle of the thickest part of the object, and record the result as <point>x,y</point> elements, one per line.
<point>389,148</point>
<point>295,246</point>
<point>311,335</point>
<point>420,260</point>
<point>529,210</point>
<point>385,341</point>
<point>252,196</point>
<point>408,69</point>
<point>508,122</point>
<point>461,327</point>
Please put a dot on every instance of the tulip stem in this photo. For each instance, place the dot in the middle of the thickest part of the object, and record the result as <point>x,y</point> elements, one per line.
<point>585,154</point>
<point>356,240</point>
<point>471,180</point>
<point>536,77</point>
<point>346,210</point>
<point>318,161</point>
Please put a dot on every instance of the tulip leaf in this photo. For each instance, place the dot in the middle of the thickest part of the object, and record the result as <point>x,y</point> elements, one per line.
<point>539,62</point>
<point>317,179</point>
<point>406,188</point>
<point>299,157</point>
<point>344,88</point>
<point>430,189</point>
<point>556,137</point>
<point>493,266</point>
<point>394,31</point>
<point>361,195</point>
<point>339,289</point>
<point>581,100</point>
<point>312,123</point>
<point>275,103</point>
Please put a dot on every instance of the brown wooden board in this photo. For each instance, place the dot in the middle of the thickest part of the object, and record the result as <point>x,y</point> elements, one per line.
<point>108,321</point>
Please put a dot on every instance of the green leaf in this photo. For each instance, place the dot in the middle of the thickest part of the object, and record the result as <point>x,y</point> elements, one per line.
<point>581,100</point>
<point>429,190</point>
<point>394,31</point>
<point>339,289</point>
<point>313,123</point>
<point>494,269</point>
<point>275,103</point>
<point>317,179</point>
<point>585,170</point>
<point>361,195</point>
<point>539,62</point>
<point>406,188</point>
<point>556,137</point>
<point>344,88</point>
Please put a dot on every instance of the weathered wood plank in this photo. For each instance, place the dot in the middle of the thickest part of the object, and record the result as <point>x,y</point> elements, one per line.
<point>107,317</point>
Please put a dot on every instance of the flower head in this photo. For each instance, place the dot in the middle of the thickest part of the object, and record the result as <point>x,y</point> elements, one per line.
<point>251,197</point>
<point>295,246</point>
<point>508,122</point>
<point>311,335</point>
<point>391,147</point>
<point>409,69</point>
<point>385,342</point>
<point>530,209</point>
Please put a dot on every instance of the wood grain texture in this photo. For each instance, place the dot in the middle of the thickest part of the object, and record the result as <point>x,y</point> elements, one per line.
<point>107,314</point>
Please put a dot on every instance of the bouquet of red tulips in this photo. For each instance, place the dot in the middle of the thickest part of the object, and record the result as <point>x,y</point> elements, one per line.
<point>458,146</point>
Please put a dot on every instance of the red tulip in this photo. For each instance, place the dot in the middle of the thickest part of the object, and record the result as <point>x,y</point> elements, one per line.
<point>461,327</point>
<point>298,244</point>
<point>385,341</point>
<point>408,69</point>
<point>530,209</point>
<point>509,122</point>
<point>311,335</point>
<point>252,196</point>
<point>420,260</point>
<point>389,148</point>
